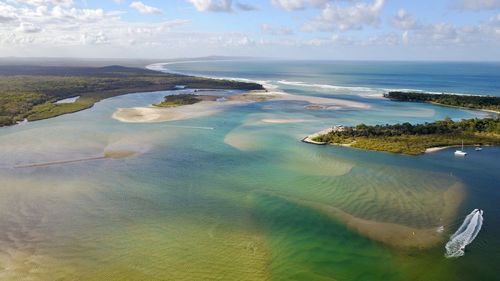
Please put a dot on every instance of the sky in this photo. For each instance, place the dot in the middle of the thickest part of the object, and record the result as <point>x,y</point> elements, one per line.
<point>461,30</point>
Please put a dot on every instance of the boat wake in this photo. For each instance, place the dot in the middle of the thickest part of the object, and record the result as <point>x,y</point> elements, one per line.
<point>465,234</point>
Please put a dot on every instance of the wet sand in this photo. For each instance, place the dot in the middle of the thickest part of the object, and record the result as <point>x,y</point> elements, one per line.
<point>157,114</point>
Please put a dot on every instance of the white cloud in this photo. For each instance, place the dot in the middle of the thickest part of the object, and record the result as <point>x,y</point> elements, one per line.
<point>29,28</point>
<point>405,37</point>
<point>404,20</point>
<point>272,30</point>
<point>7,13</point>
<point>221,6</point>
<point>94,39</point>
<point>246,7</point>
<point>36,3</point>
<point>291,5</point>
<point>335,17</point>
<point>212,5</point>
<point>475,5</point>
<point>145,9</point>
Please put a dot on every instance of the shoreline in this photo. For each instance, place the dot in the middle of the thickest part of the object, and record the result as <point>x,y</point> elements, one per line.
<point>465,108</point>
<point>425,150</point>
<point>310,138</point>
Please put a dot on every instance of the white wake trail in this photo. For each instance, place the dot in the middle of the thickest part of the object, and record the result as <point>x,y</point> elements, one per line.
<point>465,234</point>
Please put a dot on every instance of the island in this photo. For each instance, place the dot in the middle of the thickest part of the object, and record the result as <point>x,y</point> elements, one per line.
<point>411,139</point>
<point>32,92</point>
<point>184,99</point>
<point>487,103</point>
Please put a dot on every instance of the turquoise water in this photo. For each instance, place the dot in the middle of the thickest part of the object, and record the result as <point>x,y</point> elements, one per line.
<point>245,200</point>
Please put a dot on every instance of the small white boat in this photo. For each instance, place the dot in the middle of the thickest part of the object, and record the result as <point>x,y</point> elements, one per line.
<point>478,148</point>
<point>461,152</point>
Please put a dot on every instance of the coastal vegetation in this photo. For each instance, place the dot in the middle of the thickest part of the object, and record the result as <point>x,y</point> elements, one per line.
<point>31,92</point>
<point>466,101</point>
<point>415,139</point>
<point>178,100</point>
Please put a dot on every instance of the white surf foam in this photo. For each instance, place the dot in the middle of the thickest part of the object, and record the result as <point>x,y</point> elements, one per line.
<point>273,85</point>
<point>465,234</point>
<point>327,86</point>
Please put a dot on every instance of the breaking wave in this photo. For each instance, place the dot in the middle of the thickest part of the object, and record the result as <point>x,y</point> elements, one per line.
<point>273,84</point>
<point>465,234</point>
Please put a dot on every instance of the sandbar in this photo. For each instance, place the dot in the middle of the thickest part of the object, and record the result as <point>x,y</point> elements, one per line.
<point>208,107</point>
<point>393,234</point>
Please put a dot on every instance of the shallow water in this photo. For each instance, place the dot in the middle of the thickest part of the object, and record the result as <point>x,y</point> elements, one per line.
<point>244,201</point>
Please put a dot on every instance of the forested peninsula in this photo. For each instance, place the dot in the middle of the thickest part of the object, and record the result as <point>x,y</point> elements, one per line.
<point>415,139</point>
<point>31,92</point>
<point>466,101</point>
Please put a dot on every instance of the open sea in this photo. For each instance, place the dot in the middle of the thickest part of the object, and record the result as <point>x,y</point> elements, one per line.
<point>237,196</point>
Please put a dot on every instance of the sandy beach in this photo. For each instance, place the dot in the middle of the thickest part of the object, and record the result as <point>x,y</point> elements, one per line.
<point>158,114</point>
<point>436,149</point>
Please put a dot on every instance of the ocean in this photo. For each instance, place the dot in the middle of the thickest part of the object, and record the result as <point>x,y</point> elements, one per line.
<point>237,196</point>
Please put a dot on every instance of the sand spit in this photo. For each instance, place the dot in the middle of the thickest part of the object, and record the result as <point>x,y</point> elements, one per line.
<point>393,234</point>
<point>207,107</point>
<point>158,114</point>
<point>436,149</point>
<point>310,138</point>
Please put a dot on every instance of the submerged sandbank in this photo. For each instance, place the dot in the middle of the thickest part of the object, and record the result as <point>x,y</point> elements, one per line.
<point>393,234</point>
<point>284,121</point>
<point>112,154</point>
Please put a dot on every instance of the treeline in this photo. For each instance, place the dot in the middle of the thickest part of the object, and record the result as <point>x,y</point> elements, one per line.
<point>31,92</point>
<point>475,102</point>
<point>414,139</point>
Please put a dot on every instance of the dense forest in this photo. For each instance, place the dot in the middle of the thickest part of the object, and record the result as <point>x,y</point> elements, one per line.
<point>415,139</point>
<point>475,102</point>
<point>31,91</point>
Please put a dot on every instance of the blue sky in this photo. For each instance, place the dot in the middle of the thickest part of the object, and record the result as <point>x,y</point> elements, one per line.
<point>308,29</point>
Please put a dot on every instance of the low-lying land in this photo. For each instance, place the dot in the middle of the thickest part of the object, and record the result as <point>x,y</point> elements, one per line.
<point>474,102</point>
<point>415,139</point>
<point>31,92</point>
<point>184,99</point>
<point>187,106</point>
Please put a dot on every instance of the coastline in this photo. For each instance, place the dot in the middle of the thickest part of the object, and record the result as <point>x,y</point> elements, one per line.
<point>90,85</point>
<point>401,144</point>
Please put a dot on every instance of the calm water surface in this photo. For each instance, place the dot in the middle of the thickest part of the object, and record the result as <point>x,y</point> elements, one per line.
<point>231,197</point>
